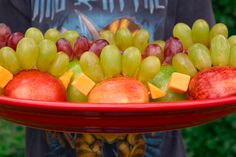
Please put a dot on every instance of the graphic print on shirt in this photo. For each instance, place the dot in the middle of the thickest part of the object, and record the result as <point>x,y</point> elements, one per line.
<point>104,145</point>
<point>85,16</point>
<point>88,17</point>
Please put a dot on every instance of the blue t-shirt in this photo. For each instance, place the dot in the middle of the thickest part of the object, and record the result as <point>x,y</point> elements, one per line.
<point>91,16</point>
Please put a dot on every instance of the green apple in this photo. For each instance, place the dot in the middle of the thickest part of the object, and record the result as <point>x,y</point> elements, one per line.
<point>74,95</point>
<point>161,81</point>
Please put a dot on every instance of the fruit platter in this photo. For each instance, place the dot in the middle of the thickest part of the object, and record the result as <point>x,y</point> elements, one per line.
<point>119,83</point>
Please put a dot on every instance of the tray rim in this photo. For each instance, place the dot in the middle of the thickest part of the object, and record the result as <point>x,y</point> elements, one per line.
<point>94,114</point>
<point>116,107</point>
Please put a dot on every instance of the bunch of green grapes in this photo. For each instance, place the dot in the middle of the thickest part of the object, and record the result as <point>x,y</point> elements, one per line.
<point>205,47</point>
<point>112,63</point>
<point>123,38</point>
<point>35,51</point>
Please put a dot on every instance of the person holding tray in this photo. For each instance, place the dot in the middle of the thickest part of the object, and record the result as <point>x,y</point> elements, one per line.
<point>88,17</point>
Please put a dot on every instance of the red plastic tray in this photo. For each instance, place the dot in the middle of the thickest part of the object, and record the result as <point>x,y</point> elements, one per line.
<point>114,118</point>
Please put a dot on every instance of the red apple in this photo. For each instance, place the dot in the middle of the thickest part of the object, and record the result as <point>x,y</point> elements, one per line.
<point>14,39</point>
<point>216,82</point>
<point>5,32</point>
<point>35,85</point>
<point>119,90</point>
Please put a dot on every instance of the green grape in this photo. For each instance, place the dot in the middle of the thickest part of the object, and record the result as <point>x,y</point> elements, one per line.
<point>27,52</point>
<point>232,58</point>
<point>200,56</point>
<point>232,40</point>
<point>219,28</point>
<point>35,34</point>
<point>131,60</point>
<point>141,39</point>
<point>70,35</point>
<point>220,51</point>
<point>52,34</point>
<point>73,94</point>
<point>200,32</point>
<point>149,67</point>
<point>123,38</point>
<point>60,64</point>
<point>110,60</point>
<point>47,54</point>
<point>108,36</point>
<point>183,64</point>
<point>9,60</point>
<point>161,43</point>
<point>183,32</point>
<point>90,65</point>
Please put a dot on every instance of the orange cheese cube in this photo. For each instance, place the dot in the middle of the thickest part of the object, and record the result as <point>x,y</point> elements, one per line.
<point>65,78</point>
<point>179,82</point>
<point>155,91</point>
<point>5,77</point>
<point>83,83</point>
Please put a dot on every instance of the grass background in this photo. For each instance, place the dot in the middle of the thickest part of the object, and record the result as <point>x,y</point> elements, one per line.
<point>216,139</point>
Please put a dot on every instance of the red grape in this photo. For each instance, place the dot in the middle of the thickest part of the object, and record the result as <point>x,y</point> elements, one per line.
<point>5,32</point>
<point>98,45</point>
<point>81,45</point>
<point>65,46</point>
<point>153,50</point>
<point>14,39</point>
<point>173,46</point>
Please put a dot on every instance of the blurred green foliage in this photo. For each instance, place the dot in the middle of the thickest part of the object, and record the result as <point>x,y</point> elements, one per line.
<point>216,139</point>
<point>225,11</point>
<point>11,140</point>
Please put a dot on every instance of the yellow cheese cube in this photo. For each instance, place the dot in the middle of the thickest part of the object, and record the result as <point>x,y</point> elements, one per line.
<point>155,91</point>
<point>5,76</point>
<point>65,78</point>
<point>179,82</point>
<point>83,83</point>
